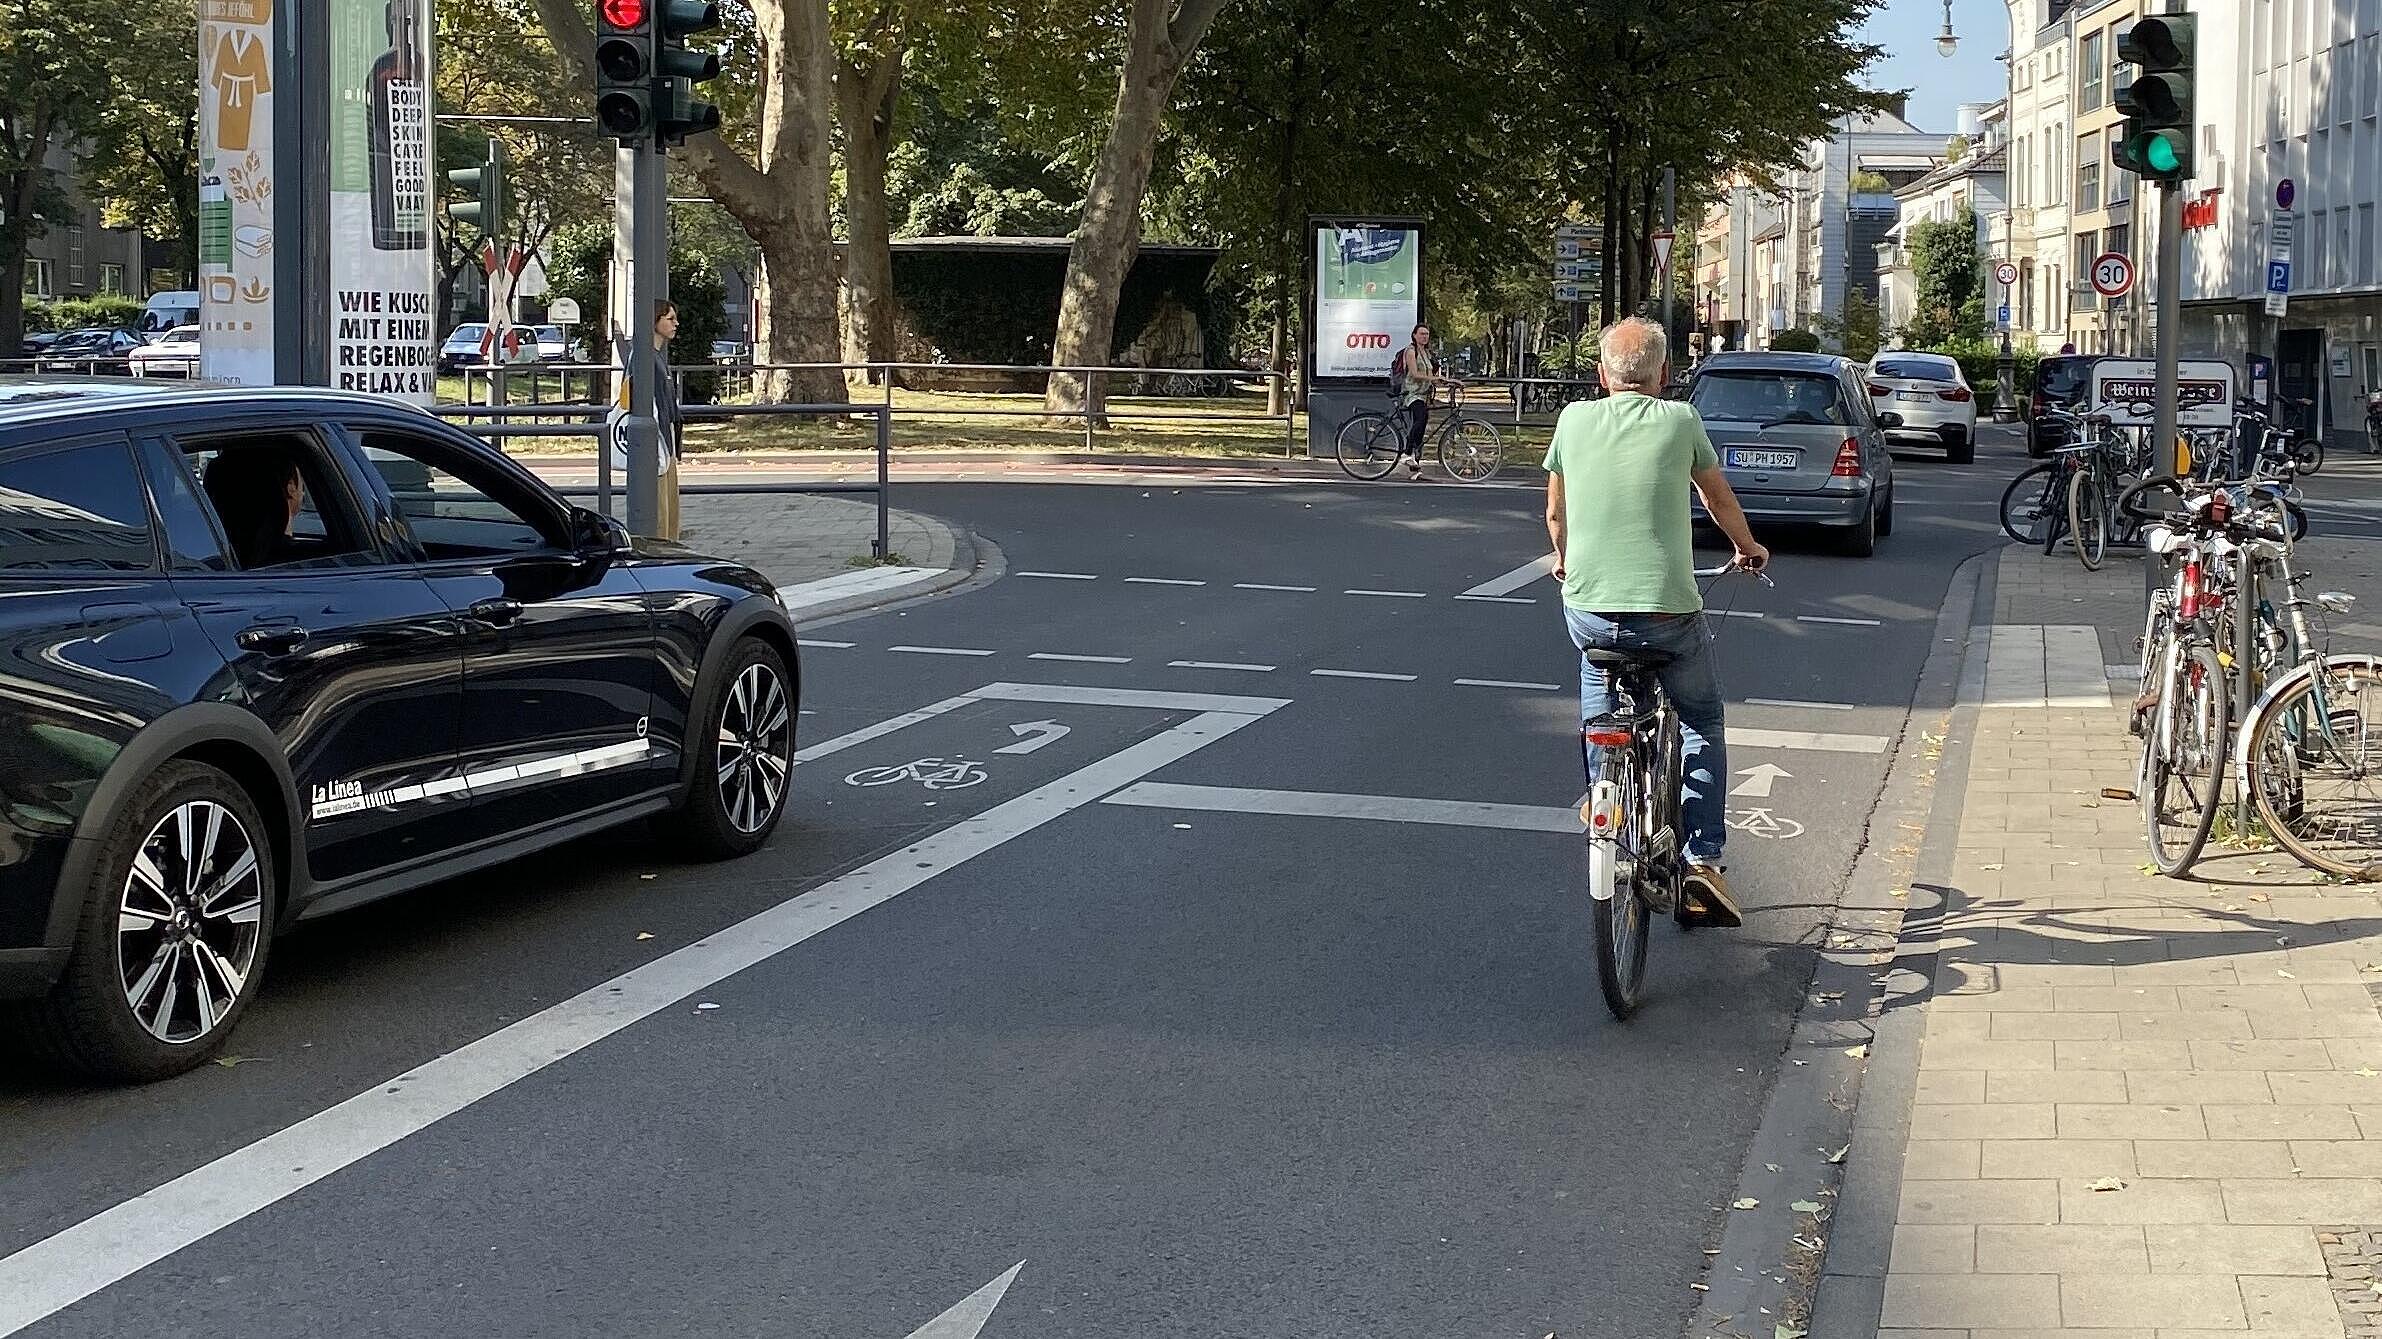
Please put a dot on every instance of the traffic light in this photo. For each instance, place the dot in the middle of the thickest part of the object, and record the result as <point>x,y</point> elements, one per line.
<point>625,69</point>
<point>2156,143</point>
<point>677,69</point>
<point>484,190</point>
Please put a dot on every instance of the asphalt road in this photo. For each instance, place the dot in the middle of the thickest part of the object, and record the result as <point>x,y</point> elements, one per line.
<point>1218,994</point>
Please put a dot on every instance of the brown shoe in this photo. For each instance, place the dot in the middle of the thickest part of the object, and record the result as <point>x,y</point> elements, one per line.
<point>1708,897</point>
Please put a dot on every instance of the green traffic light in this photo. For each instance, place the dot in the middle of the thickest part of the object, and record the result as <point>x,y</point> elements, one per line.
<point>2160,154</point>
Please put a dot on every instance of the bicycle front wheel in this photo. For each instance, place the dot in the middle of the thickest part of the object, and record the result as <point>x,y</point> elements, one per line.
<point>1367,446</point>
<point>1621,923</point>
<point>2028,503</point>
<point>2183,750</point>
<point>2315,766</point>
<point>2088,519</point>
<point>1469,450</point>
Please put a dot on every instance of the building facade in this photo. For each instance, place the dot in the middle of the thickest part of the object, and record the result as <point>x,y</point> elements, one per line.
<point>78,256</point>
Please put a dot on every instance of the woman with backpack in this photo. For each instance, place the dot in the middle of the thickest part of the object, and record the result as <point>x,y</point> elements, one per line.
<point>1414,374</point>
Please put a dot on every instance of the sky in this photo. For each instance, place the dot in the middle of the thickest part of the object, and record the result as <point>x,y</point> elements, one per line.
<point>1907,30</point>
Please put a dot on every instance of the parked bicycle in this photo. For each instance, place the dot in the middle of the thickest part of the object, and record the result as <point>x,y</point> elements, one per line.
<point>1637,861</point>
<point>1468,447</point>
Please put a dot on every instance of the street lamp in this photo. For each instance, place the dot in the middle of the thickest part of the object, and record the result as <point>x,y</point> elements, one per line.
<point>1947,42</point>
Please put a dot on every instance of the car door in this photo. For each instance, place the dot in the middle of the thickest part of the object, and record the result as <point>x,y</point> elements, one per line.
<point>335,642</point>
<point>559,654</point>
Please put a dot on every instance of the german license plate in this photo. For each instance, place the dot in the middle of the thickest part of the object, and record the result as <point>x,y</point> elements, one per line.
<point>1910,395</point>
<point>1746,458</point>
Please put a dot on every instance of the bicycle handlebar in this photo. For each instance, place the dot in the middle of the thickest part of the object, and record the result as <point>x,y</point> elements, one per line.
<point>1731,566</point>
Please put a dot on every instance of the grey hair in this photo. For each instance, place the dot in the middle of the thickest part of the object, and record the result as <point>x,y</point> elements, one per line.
<point>1632,352</point>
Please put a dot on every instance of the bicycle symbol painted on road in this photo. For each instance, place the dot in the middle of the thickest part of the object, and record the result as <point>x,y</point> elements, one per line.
<point>932,773</point>
<point>1763,823</point>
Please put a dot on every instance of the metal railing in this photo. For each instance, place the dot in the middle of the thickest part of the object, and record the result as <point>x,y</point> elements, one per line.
<point>492,422</point>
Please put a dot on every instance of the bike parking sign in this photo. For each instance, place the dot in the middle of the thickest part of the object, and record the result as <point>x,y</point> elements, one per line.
<point>2126,389</point>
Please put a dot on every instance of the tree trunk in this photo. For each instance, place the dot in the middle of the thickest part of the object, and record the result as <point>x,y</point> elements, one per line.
<point>866,95</point>
<point>1609,247</point>
<point>1109,236</point>
<point>16,237</point>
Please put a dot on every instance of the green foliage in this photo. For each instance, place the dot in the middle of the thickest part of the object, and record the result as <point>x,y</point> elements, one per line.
<point>143,163</point>
<point>108,309</point>
<point>1867,182</point>
<point>1956,148</point>
<point>57,60</point>
<point>1978,358</point>
<point>1949,274</point>
<point>578,263</point>
<point>957,175</point>
<point>1858,330</point>
<point>1795,340</point>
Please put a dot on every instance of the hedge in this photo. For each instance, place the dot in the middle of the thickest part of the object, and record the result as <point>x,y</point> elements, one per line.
<point>108,309</point>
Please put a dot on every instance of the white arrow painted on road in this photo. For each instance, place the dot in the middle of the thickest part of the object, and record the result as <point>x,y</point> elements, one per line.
<point>966,1320</point>
<point>1047,732</point>
<point>1759,779</point>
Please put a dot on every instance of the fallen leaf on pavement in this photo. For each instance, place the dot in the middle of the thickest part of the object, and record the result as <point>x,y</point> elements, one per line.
<point>1786,1331</point>
<point>1992,866</point>
<point>1856,1052</point>
<point>2369,1072</point>
<point>705,1007</point>
<point>1701,1287</point>
<point>2285,975</point>
<point>1839,1155</point>
<point>1805,1206</point>
<point>1747,1203</point>
<point>235,1061</point>
<point>2107,1183</point>
<point>2257,897</point>
<point>645,934</point>
<point>1771,1165</point>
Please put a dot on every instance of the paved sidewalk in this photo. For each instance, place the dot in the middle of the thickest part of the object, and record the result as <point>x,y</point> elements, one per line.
<point>795,538</point>
<point>2143,1107</point>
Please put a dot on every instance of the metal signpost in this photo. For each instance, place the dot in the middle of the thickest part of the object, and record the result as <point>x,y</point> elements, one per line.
<point>1579,268</point>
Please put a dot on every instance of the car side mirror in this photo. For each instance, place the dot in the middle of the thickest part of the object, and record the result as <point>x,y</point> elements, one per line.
<point>595,535</point>
<point>1887,418</point>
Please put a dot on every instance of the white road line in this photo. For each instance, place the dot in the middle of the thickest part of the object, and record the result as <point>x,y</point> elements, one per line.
<point>58,1271</point>
<point>885,727</point>
<point>1058,576</point>
<point>940,650</point>
<point>1544,565</point>
<point>1322,804</point>
<point>1797,702</point>
<point>845,585</point>
<point>1161,581</point>
<point>1498,599</point>
<point>1846,622</point>
<point>1259,585</point>
<point>1392,594</point>
<point>1741,738</point>
<point>1735,613</point>
<point>1068,695</point>
<point>1081,660</point>
<point>1219,665</point>
<point>835,646</point>
<point>1510,683</point>
<point>1360,674</point>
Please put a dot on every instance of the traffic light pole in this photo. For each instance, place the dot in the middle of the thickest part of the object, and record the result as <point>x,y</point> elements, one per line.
<point>639,235</point>
<point>2170,351</point>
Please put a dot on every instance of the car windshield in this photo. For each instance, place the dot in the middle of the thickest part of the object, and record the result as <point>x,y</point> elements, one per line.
<point>550,334</point>
<point>1918,369</point>
<point>466,332</point>
<point>2063,377</point>
<point>1754,396</point>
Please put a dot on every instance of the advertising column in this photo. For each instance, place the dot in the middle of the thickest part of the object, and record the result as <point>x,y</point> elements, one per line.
<point>381,282</point>
<point>1368,297</point>
<point>236,173</point>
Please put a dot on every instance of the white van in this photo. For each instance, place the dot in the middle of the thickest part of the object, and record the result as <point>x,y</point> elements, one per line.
<point>168,310</point>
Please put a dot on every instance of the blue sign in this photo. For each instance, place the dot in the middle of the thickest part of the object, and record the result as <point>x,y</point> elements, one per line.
<point>2003,319</point>
<point>2278,276</point>
<point>2284,192</point>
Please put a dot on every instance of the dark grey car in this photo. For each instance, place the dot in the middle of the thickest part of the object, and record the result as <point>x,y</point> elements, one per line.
<point>1800,442</point>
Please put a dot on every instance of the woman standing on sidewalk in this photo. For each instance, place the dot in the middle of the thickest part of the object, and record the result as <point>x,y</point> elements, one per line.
<point>1414,373</point>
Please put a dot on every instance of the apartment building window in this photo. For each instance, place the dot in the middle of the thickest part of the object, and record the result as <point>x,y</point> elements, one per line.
<point>40,282</point>
<point>2088,174</point>
<point>2055,166</point>
<point>2115,237</point>
<point>2121,184</point>
<point>2372,65</point>
<point>2344,251</point>
<point>2319,257</point>
<point>2121,74</point>
<point>2086,250</point>
<point>2026,294</point>
<point>74,256</point>
<point>2088,72</point>
<point>2369,263</point>
<point>111,279</point>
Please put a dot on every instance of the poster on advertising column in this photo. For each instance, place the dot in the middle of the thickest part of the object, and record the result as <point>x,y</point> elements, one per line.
<point>1368,295</point>
<point>236,191</point>
<point>382,283</point>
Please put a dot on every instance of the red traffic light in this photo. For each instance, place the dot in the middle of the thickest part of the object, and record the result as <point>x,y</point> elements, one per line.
<point>622,13</point>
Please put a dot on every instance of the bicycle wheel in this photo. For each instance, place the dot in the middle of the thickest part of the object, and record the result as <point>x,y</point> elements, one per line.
<point>2307,454</point>
<point>2315,766</point>
<point>1621,924</point>
<point>2088,518</point>
<point>2150,658</point>
<point>2027,503</point>
<point>1469,449</point>
<point>2183,751</point>
<point>1367,446</point>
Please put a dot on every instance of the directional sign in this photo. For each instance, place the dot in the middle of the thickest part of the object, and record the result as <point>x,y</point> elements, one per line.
<point>1578,271</point>
<point>2282,229</point>
<point>1588,234</point>
<point>1567,248</point>
<point>2005,274</point>
<point>2113,274</point>
<point>1759,779</point>
<point>1033,735</point>
<point>1574,293</point>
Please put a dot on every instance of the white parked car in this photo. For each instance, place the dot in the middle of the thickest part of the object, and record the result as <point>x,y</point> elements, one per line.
<point>172,354</point>
<point>1932,397</point>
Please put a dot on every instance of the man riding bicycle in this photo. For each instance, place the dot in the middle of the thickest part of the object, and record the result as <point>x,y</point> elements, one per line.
<point>1618,476</point>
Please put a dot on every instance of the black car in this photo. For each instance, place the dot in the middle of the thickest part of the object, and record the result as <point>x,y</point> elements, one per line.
<point>95,350</point>
<point>270,654</point>
<point>2062,381</point>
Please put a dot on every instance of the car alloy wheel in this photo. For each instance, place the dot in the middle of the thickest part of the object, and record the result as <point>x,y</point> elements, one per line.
<point>188,921</point>
<point>756,735</point>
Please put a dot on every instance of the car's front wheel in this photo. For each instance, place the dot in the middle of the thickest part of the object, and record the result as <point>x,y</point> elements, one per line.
<point>175,925</point>
<point>744,757</point>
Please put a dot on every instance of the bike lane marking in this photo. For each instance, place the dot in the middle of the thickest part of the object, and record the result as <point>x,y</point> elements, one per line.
<point>51,1274</point>
<point>1541,566</point>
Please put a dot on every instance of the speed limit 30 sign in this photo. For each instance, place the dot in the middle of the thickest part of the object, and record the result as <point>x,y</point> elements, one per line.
<point>2113,274</point>
<point>2005,274</point>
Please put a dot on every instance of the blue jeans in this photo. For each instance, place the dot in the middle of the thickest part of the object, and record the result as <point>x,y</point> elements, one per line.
<point>1694,691</point>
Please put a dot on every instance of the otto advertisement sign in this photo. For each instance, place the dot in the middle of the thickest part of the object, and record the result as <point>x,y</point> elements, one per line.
<point>2126,389</point>
<point>1368,297</point>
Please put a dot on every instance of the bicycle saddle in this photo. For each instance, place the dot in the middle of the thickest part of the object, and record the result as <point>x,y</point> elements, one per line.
<point>1614,658</point>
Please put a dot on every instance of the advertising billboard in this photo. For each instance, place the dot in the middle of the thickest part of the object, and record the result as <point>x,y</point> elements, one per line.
<point>382,283</point>
<point>236,174</point>
<point>1368,296</point>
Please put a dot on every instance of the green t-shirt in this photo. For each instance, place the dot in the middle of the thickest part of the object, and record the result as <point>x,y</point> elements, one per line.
<point>1625,461</point>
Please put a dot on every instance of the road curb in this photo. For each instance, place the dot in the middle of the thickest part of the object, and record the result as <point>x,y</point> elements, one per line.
<point>1775,1265</point>
<point>976,562</point>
